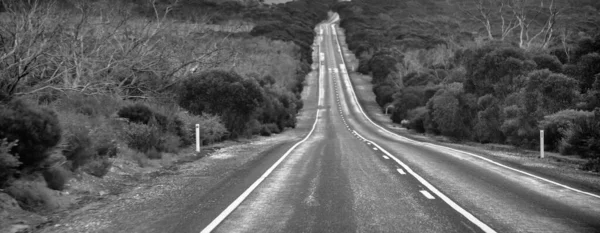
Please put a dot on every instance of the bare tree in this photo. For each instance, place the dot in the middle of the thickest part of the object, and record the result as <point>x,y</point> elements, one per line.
<point>24,38</point>
<point>526,15</point>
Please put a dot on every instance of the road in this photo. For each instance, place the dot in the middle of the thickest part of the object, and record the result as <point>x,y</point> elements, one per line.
<point>351,175</point>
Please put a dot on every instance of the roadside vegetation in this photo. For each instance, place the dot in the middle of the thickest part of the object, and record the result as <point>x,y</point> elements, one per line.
<point>86,83</point>
<point>485,71</point>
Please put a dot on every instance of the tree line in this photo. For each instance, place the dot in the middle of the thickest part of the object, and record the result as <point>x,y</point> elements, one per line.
<point>525,70</point>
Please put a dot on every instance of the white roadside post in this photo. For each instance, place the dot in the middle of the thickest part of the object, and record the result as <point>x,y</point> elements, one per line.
<point>541,143</point>
<point>197,137</point>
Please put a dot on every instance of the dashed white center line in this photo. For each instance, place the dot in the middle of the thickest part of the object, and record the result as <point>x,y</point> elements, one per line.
<point>375,148</point>
<point>427,194</point>
<point>401,171</point>
<point>385,157</point>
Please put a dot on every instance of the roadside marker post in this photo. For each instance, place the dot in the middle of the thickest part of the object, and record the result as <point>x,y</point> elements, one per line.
<point>542,144</point>
<point>197,137</point>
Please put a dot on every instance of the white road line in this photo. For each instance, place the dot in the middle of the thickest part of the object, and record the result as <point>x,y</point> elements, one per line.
<point>427,194</point>
<point>433,189</point>
<point>385,157</point>
<point>212,225</point>
<point>401,171</point>
<point>374,148</point>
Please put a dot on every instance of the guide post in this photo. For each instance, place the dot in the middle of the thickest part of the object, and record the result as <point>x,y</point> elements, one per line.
<point>197,137</point>
<point>541,143</point>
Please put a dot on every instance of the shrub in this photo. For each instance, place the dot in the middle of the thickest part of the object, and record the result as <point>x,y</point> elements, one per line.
<point>223,93</point>
<point>32,195</point>
<point>211,128</point>
<point>153,154</point>
<point>90,105</point>
<point>8,161</point>
<point>56,177</point>
<point>550,62</point>
<point>555,125</point>
<point>142,137</point>
<point>169,143</point>
<point>418,119</point>
<point>592,165</point>
<point>98,167</point>
<point>583,137</point>
<point>79,148</point>
<point>37,130</point>
<point>268,129</point>
<point>407,99</point>
<point>137,113</point>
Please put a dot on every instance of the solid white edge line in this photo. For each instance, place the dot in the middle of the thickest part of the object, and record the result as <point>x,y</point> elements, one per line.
<point>452,149</point>
<point>212,225</point>
<point>446,199</point>
<point>427,194</point>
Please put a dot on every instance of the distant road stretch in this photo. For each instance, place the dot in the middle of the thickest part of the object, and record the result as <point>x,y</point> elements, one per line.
<point>351,175</point>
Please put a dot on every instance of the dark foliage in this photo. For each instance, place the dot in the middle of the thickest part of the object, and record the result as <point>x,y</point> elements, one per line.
<point>56,177</point>
<point>37,130</point>
<point>224,93</point>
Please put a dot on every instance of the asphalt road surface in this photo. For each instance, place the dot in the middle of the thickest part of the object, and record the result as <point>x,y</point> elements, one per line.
<point>351,175</point>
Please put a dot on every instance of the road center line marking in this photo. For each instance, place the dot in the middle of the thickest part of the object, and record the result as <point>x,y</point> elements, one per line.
<point>385,157</point>
<point>427,194</point>
<point>401,171</point>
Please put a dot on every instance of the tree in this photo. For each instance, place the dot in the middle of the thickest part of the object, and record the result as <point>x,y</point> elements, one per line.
<point>224,93</point>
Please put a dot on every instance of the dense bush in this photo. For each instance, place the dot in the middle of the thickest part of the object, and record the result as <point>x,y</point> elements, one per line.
<point>79,147</point>
<point>556,124</point>
<point>211,127</point>
<point>582,137</point>
<point>223,93</point>
<point>99,166</point>
<point>32,195</point>
<point>142,137</point>
<point>37,130</point>
<point>447,112</point>
<point>8,161</point>
<point>418,119</point>
<point>56,177</point>
<point>138,113</point>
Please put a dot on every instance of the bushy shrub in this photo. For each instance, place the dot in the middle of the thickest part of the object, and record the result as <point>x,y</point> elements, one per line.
<point>555,125</point>
<point>8,161</point>
<point>407,99</point>
<point>56,177</point>
<point>98,167</point>
<point>592,165</point>
<point>268,129</point>
<point>137,113</point>
<point>32,195</point>
<point>418,119</point>
<point>169,143</point>
<point>583,137</point>
<point>142,137</point>
<point>153,154</point>
<point>489,120</point>
<point>37,129</point>
<point>224,93</point>
<point>78,147</point>
<point>550,62</point>
<point>89,105</point>
<point>211,127</point>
